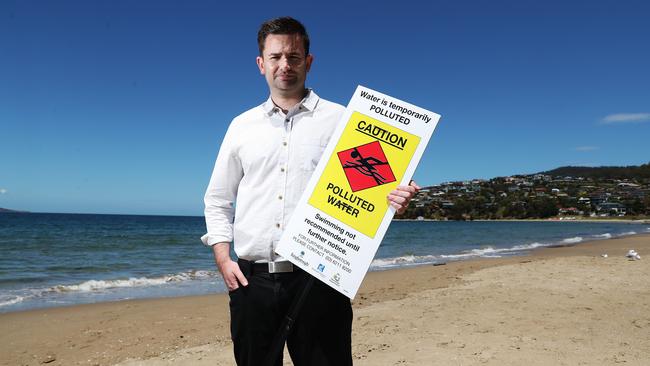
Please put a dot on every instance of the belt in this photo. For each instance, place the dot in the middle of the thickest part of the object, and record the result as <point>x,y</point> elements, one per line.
<point>267,267</point>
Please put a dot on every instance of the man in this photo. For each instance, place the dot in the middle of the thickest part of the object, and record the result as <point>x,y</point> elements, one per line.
<point>265,161</point>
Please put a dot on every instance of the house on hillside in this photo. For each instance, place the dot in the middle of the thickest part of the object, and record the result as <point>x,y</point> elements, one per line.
<point>598,197</point>
<point>569,211</point>
<point>611,209</point>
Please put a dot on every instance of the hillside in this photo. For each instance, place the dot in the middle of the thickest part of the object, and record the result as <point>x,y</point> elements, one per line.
<point>641,172</point>
<point>563,192</point>
<point>6,210</point>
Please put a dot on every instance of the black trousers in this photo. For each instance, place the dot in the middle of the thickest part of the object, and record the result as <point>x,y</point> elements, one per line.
<point>321,334</point>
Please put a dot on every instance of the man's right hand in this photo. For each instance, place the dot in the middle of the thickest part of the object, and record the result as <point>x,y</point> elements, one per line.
<point>232,275</point>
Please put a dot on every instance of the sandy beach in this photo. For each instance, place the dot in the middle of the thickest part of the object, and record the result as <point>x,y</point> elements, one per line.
<point>557,306</point>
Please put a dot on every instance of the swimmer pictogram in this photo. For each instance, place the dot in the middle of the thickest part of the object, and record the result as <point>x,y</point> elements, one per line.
<point>366,166</point>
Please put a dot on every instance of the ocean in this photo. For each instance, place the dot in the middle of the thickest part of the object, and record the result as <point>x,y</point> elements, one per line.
<point>64,259</point>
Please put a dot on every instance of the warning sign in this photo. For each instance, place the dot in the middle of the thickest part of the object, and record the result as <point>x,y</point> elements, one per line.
<point>371,158</point>
<point>366,166</point>
<point>342,216</point>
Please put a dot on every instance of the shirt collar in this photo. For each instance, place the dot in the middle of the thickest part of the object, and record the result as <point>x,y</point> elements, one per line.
<point>309,102</point>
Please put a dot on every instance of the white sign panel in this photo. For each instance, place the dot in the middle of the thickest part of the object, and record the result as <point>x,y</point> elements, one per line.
<point>343,214</point>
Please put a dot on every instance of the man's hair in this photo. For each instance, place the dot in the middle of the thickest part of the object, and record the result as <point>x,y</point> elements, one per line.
<point>282,25</point>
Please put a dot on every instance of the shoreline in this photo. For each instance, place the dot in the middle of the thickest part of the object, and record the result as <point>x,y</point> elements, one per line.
<point>384,264</point>
<point>162,329</point>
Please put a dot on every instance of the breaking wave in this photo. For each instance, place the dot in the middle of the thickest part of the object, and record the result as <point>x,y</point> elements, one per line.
<point>628,233</point>
<point>14,300</point>
<point>104,285</point>
<point>485,252</point>
<point>99,285</point>
<point>573,240</point>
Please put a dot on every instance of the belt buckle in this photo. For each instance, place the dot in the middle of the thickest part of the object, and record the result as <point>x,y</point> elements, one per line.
<point>280,267</point>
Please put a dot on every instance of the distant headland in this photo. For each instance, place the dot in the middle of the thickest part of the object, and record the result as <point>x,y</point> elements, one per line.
<point>6,210</point>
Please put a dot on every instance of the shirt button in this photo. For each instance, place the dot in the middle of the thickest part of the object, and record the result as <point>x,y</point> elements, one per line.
<point>280,197</point>
<point>286,120</point>
<point>277,225</point>
<point>284,143</point>
<point>282,170</point>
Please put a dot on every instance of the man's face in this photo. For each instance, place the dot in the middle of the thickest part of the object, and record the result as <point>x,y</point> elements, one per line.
<point>284,64</point>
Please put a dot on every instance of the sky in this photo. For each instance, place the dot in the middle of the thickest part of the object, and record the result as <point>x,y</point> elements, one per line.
<point>120,106</point>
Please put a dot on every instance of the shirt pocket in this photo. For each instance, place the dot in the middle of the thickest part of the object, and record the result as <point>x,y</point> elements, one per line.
<point>310,153</point>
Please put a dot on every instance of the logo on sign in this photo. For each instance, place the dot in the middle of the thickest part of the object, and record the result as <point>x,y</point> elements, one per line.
<point>335,279</point>
<point>366,166</point>
<point>300,258</point>
<point>321,267</point>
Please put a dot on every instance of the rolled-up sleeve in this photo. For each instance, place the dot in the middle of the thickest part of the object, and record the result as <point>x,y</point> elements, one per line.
<point>222,192</point>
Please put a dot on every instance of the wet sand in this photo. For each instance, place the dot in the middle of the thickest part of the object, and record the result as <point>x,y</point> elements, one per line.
<point>557,306</point>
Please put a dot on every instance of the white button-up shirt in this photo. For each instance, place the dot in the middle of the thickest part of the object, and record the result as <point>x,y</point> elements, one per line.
<point>264,164</point>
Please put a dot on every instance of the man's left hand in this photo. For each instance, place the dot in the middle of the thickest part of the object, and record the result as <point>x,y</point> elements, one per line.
<point>400,197</point>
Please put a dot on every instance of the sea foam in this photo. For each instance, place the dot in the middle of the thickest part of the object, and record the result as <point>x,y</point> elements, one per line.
<point>404,261</point>
<point>573,240</point>
<point>485,252</point>
<point>15,300</point>
<point>100,285</point>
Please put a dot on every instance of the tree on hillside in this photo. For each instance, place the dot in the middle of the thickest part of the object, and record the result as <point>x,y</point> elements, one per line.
<point>542,208</point>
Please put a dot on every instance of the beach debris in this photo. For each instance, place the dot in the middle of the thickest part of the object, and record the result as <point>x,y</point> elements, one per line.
<point>49,359</point>
<point>604,255</point>
<point>633,255</point>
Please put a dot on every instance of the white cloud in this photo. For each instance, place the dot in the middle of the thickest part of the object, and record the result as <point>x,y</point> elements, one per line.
<point>3,191</point>
<point>587,148</point>
<point>625,118</point>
